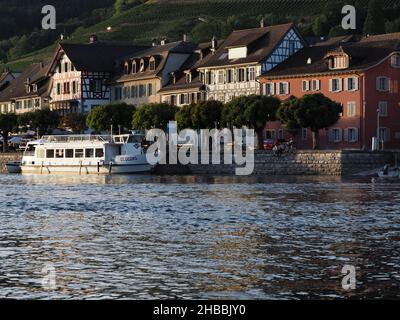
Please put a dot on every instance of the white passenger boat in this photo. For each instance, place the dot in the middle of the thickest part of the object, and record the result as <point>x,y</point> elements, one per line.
<point>86,154</point>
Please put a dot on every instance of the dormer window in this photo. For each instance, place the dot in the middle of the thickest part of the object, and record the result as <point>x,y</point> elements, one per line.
<point>34,88</point>
<point>396,61</point>
<point>188,77</point>
<point>237,53</point>
<point>126,68</point>
<point>134,67</point>
<point>338,62</point>
<point>142,65</point>
<point>28,88</point>
<point>152,64</point>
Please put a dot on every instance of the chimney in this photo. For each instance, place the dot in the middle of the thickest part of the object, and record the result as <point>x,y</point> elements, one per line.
<point>214,44</point>
<point>93,39</point>
<point>262,22</point>
<point>173,77</point>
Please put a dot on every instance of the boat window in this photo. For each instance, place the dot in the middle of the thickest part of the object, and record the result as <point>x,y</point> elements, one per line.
<point>50,153</point>
<point>78,153</point>
<point>40,153</point>
<point>60,153</point>
<point>135,139</point>
<point>99,153</point>
<point>89,153</point>
<point>69,153</point>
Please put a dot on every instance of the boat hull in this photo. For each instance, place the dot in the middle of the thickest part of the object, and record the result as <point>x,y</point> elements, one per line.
<point>83,170</point>
<point>13,167</point>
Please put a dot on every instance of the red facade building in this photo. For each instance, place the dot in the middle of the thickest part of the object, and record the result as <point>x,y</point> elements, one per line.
<point>361,75</point>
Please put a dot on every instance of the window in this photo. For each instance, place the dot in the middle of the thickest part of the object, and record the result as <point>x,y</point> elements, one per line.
<point>142,90</point>
<point>173,100</point>
<point>221,78</point>
<point>241,75</point>
<point>59,68</point>
<point>384,134</point>
<point>72,67</point>
<point>127,93</point>
<point>251,74</point>
<point>126,68</point>
<point>335,135</point>
<point>134,67</point>
<point>188,77</point>
<point>283,88</point>
<point>351,109</point>
<point>58,88</point>
<point>66,89</point>
<point>69,153</point>
<point>281,134</point>
<point>142,65</point>
<point>95,85</point>
<point>60,153</point>
<point>383,108</point>
<point>338,62</point>
<point>292,47</point>
<point>99,153</point>
<point>209,77</point>
<point>383,84</point>
<point>117,93</point>
<point>304,134</point>
<point>50,153</point>
<point>351,135</point>
<point>305,85</point>
<point>316,85</point>
<point>150,89</point>
<point>335,85</point>
<point>89,153</point>
<point>396,61</point>
<point>40,153</point>
<point>152,64</point>
<point>230,76</point>
<point>351,84</point>
<point>269,89</point>
<point>270,134</point>
<point>74,87</point>
<point>78,153</point>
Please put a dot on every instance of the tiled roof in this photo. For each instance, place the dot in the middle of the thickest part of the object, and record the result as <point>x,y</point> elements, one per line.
<point>161,53</point>
<point>363,54</point>
<point>17,88</point>
<point>260,42</point>
<point>96,57</point>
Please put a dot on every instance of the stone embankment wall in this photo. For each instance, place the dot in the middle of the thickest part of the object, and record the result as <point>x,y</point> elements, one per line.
<point>331,163</point>
<point>5,157</point>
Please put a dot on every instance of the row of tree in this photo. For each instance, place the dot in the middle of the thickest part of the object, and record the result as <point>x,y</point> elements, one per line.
<point>314,111</point>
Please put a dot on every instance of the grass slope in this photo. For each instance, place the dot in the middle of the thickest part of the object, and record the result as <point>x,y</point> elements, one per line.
<point>157,18</point>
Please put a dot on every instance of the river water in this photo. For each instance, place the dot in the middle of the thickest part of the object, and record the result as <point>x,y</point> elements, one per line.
<point>154,237</point>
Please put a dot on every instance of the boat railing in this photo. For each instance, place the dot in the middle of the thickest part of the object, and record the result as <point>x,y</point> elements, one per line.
<point>78,138</point>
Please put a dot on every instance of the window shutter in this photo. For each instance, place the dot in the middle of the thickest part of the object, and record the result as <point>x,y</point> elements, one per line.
<point>340,139</point>
<point>330,85</point>
<point>264,86</point>
<point>318,85</point>
<point>356,83</point>
<point>356,134</point>
<point>378,83</point>
<point>288,87</point>
<point>272,88</point>
<point>346,135</point>
<point>346,84</point>
<point>340,84</point>
<point>330,135</point>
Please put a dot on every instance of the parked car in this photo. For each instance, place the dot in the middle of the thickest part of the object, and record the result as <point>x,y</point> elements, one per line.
<point>269,144</point>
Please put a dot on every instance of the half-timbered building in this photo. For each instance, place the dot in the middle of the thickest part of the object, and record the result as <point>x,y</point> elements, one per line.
<point>81,73</point>
<point>232,68</point>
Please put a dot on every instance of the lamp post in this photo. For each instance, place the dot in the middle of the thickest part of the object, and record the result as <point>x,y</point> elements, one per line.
<point>378,128</point>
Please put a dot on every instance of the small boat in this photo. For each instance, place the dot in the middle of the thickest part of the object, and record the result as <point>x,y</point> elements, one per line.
<point>389,173</point>
<point>14,166</point>
<point>86,154</point>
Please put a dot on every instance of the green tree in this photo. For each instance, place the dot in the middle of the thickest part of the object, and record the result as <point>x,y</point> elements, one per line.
<point>252,111</point>
<point>103,117</point>
<point>8,123</point>
<point>76,121</point>
<point>286,115</point>
<point>207,114</point>
<point>184,116</point>
<point>315,111</point>
<point>375,21</point>
<point>43,120</point>
<point>153,115</point>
